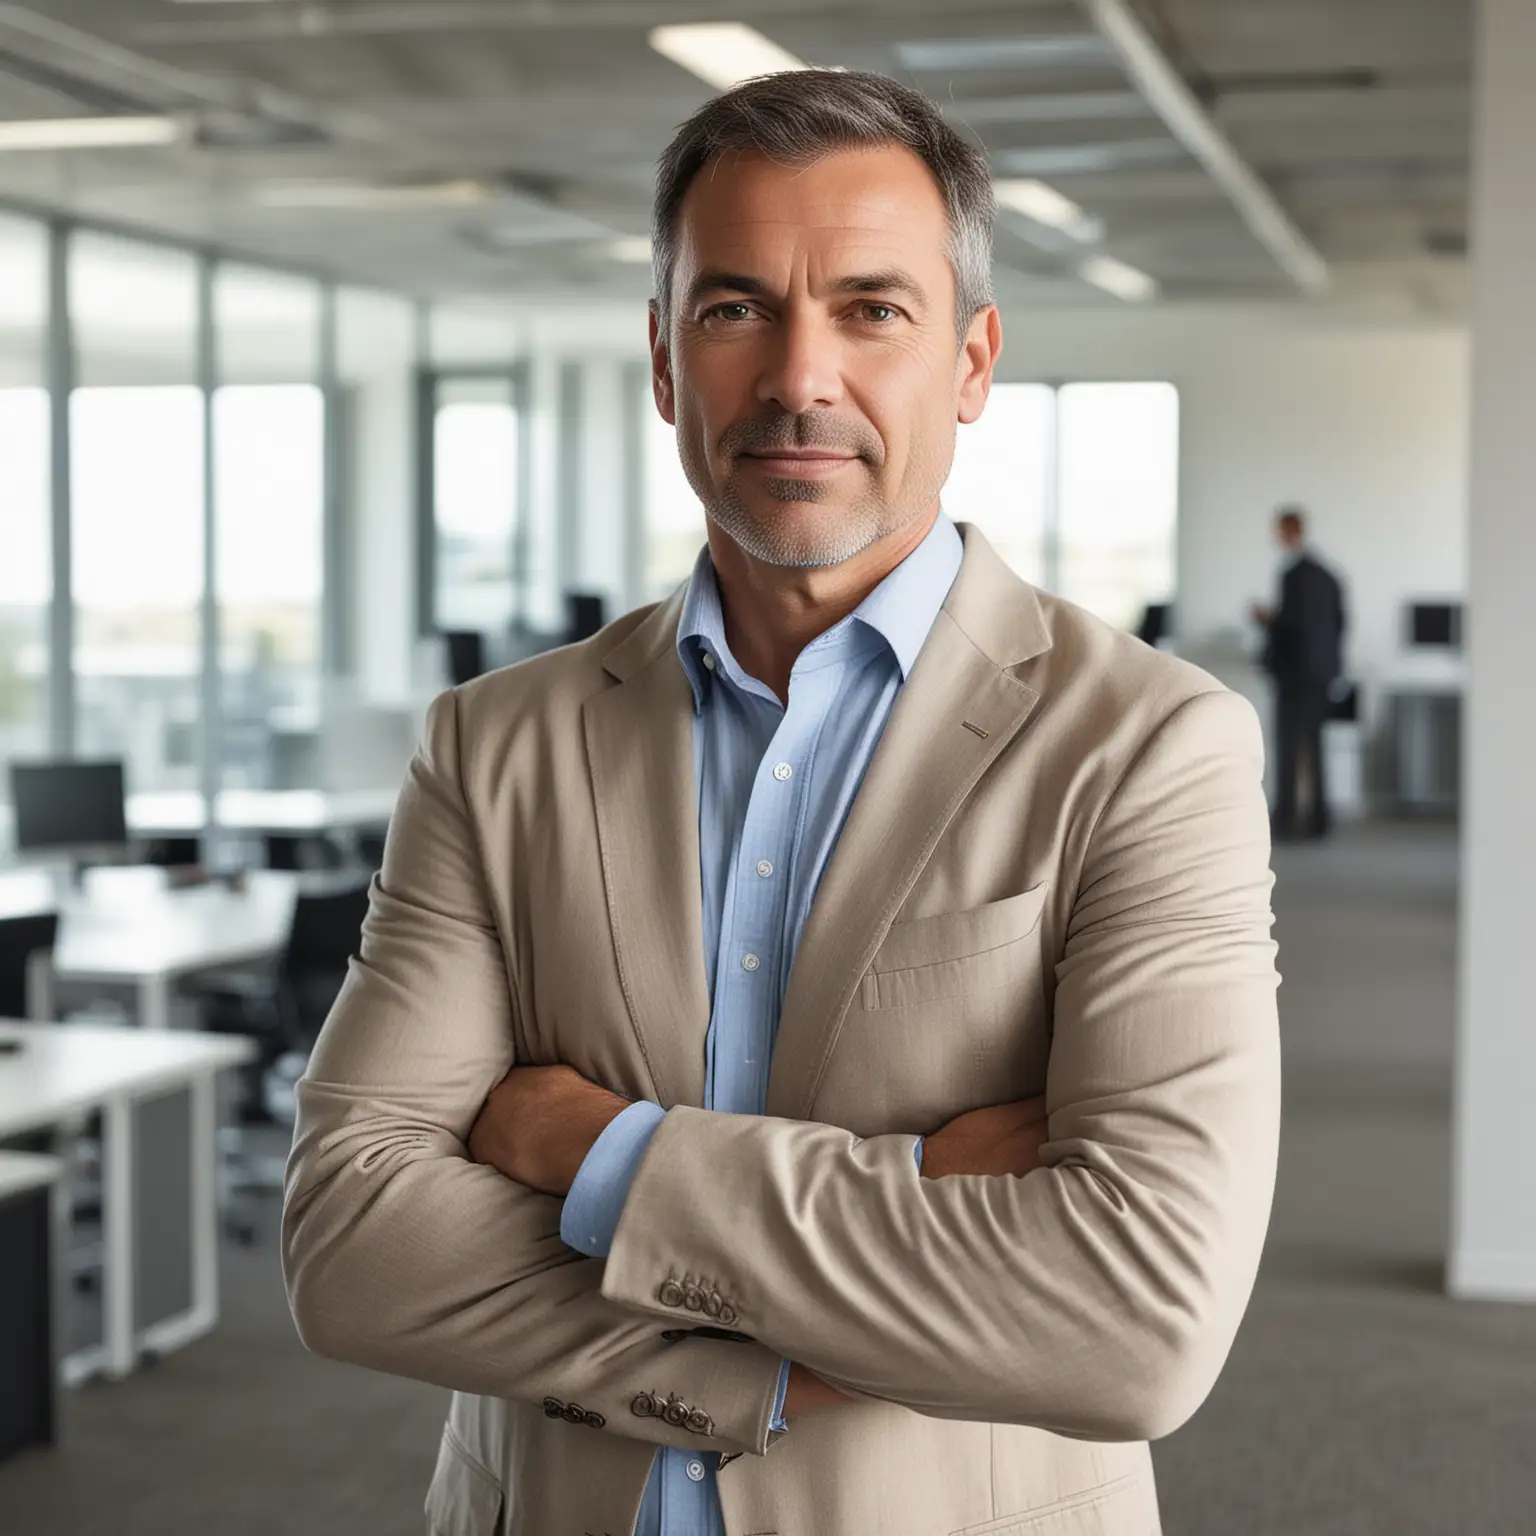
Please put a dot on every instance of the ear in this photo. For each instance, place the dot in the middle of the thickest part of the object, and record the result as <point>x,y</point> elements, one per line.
<point>661,373</point>
<point>979,352</point>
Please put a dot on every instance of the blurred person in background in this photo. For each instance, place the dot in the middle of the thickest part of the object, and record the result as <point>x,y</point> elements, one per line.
<point>1304,654</point>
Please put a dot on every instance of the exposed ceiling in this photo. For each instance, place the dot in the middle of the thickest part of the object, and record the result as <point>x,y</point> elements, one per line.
<point>1353,113</point>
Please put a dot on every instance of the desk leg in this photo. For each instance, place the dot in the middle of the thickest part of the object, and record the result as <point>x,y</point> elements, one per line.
<point>205,1200</point>
<point>117,1224</point>
<point>155,1002</point>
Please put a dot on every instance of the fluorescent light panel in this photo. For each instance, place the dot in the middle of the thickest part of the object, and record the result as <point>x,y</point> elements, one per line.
<point>636,249</point>
<point>1117,277</point>
<point>1045,205</point>
<point>88,133</point>
<point>365,198</point>
<point>723,53</point>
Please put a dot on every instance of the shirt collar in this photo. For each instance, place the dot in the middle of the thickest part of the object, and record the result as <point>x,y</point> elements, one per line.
<point>901,610</point>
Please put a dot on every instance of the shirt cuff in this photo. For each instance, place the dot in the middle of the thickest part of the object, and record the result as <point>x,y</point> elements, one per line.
<point>777,1425</point>
<point>601,1186</point>
<point>917,1152</point>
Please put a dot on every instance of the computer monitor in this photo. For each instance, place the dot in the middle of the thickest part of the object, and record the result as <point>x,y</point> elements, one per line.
<point>584,615</point>
<point>69,807</point>
<point>466,654</point>
<point>1435,624</point>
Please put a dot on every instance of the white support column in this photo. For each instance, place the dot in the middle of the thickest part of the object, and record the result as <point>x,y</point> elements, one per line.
<point>1493,1241</point>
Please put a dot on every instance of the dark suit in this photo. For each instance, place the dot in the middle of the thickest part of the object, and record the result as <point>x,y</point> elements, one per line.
<point>1304,654</point>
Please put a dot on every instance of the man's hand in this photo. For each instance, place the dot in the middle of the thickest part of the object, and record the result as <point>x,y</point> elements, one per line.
<point>1262,614</point>
<point>1002,1138</point>
<point>539,1124</point>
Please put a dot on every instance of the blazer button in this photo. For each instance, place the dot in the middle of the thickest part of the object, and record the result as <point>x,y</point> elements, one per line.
<point>727,1314</point>
<point>693,1298</point>
<point>574,1415</point>
<point>713,1304</point>
<point>553,1408</point>
<point>675,1413</point>
<point>644,1406</point>
<point>595,1421</point>
<point>700,1422</point>
<point>670,1294</point>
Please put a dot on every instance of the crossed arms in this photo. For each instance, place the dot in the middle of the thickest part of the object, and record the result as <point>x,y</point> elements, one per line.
<point>1097,1296</point>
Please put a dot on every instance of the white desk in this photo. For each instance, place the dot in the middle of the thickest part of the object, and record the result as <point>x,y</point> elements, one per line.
<point>128,927</point>
<point>63,1072</point>
<point>261,812</point>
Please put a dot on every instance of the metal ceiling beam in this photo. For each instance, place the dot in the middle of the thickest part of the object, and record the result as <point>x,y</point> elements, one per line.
<point>260,23</point>
<point>1187,120</point>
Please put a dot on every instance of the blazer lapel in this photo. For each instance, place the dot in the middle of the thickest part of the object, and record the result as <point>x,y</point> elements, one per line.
<point>639,737</point>
<point>959,709</point>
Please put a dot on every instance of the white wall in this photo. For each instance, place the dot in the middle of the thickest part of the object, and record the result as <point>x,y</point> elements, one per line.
<point>1362,421</point>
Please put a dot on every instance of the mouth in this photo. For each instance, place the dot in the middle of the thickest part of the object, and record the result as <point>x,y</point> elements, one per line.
<point>800,461</point>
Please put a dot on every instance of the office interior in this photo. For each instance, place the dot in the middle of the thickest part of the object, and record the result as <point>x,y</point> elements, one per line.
<point>324,385</point>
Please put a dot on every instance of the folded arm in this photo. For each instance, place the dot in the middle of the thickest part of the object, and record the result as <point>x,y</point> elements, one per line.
<point>404,1255</point>
<point>1098,1295</point>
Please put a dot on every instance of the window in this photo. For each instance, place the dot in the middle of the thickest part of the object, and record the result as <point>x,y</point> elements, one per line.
<point>477,443</point>
<point>269,499</point>
<point>674,518</point>
<point>1077,487</point>
<point>26,567</point>
<point>136,475</point>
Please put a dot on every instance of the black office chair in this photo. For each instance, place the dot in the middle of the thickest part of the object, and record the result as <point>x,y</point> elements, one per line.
<point>283,1009</point>
<point>20,939</point>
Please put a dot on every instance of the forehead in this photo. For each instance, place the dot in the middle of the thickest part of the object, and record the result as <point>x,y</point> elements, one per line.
<point>883,196</point>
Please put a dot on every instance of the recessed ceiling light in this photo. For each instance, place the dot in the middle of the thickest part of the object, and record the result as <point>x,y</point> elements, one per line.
<point>89,133</point>
<point>723,53</point>
<point>630,248</point>
<point>367,197</point>
<point>1117,277</point>
<point>1045,205</point>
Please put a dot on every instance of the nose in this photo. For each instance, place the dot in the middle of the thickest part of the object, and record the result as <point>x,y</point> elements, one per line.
<point>803,368</point>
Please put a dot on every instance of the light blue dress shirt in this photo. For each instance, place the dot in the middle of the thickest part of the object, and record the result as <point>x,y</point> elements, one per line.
<point>775,785</point>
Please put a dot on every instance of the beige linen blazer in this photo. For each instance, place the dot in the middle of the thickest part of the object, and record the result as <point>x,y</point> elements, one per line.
<point>1054,880</point>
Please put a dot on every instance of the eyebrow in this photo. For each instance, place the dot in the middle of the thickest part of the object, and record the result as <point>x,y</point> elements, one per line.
<point>891,280</point>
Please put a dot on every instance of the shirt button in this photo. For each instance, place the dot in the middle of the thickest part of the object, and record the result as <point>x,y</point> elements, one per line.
<point>750,962</point>
<point>696,1471</point>
<point>764,868</point>
<point>709,662</point>
<point>782,771</point>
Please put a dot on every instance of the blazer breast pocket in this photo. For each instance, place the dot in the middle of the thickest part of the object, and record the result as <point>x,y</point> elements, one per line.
<point>927,959</point>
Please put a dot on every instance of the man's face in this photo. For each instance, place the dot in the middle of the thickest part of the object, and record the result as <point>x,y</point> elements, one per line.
<point>813,371</point>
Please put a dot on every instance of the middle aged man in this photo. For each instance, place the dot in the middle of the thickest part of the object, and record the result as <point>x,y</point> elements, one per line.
<point>859,960</point>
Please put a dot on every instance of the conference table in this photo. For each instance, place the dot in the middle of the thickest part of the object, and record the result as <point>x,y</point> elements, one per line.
<point>134,927</point>
<point>156,1094</point>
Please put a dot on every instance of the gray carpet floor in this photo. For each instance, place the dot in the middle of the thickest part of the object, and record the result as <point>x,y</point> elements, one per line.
<point>1358,1400</point>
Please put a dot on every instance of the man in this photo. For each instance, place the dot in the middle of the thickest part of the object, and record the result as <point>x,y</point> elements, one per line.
<point>812,1063</point>
<point>1304,654</point>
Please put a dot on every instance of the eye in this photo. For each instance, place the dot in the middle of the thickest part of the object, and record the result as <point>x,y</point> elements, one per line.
<point>880,314</point>
<point>735,310</point>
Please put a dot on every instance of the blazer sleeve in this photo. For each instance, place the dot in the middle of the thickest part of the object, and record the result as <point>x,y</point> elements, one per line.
<point>401,1254</point>
<point>1098,1295</point>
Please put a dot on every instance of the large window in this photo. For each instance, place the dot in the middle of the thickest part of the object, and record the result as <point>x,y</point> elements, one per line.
<point>26,567</point>
<point>674,519</point>
<point>136,473</point>
<point>269,500</point>
<point>477,502</point>
<point>1078,489</point>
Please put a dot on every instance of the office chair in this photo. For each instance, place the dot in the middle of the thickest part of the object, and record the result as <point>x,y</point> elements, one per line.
<point>20,939</point>
<point>283,1008</point>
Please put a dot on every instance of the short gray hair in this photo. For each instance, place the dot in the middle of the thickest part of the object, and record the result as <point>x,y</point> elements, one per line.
<point>799,117</point>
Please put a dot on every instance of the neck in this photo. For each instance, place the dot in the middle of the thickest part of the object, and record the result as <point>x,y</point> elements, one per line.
<point>773,612</point>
